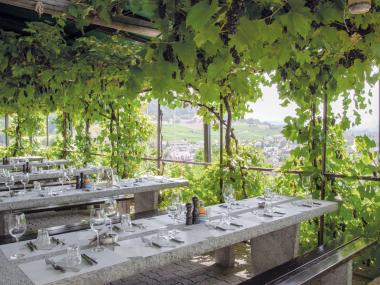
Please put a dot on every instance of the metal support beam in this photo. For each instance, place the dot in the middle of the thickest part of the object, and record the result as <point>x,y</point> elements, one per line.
<point>323,186</point>
<point>120,23</point>
<point>207,142</point>
<point>47,130</point>
<point>6,126</point>
<point>159,138</point>
<point>221,145</point>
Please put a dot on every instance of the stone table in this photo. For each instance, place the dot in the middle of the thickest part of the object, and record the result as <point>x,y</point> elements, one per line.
<point>133,256</point>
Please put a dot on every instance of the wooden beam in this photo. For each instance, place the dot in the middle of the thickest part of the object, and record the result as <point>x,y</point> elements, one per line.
<point>121,23</point>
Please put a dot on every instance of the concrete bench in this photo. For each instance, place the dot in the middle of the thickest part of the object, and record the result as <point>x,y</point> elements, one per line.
<point>323,266</point>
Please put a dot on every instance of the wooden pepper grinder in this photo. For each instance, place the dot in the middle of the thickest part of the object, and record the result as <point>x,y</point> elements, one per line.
<point>195,210</point>
<point>189,214</point>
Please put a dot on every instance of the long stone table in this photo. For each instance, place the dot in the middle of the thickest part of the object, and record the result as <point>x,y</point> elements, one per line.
<point>133,256</point>
<point>50,163</point>
<point>33,199</point>
<point>51,174</point>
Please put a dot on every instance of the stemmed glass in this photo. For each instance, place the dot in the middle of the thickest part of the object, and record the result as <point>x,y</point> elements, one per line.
<point>17,227</point>
<point>306,184</point>
<point>97,222</point>
<point>228,195</point>
<point>24,180</point>
<point>61,179</point>
<point>9,183</point>
<point>66,178</point>
<point>110,211</point>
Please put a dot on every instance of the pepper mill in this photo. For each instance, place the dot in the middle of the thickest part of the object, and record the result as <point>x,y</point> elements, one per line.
<point>77,182</point>
<point>81,180</point>
<point>189,214</point>
<point>195,210</point>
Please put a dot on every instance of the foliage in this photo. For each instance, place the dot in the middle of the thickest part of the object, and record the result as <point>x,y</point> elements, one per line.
<point>214,55</point>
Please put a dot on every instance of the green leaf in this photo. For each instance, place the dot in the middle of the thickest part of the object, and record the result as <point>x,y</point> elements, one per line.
<point>200,15</point>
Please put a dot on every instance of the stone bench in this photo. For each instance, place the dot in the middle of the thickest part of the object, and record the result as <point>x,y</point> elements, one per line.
<point>323,266</point>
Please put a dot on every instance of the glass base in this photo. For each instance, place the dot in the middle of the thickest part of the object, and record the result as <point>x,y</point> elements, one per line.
<point>16,256</point>
<point>98,249</point>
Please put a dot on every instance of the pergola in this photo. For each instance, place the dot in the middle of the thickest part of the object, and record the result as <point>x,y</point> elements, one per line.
<point>139,28</point>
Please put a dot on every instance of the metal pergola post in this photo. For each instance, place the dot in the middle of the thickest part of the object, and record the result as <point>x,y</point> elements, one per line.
<point>6,126</point>
<point>47,130</point>
<point>221,144</point>
<point>159,137</point>
<point>207,142</point>
<point>324,177</point>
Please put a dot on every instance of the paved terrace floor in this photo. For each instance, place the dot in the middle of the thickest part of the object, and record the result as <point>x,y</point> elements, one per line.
<point>202,270</point>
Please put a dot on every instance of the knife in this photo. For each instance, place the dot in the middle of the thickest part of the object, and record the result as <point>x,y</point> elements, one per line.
<point>155,244</point>
<point>85,256</point>
<point>236,225</point>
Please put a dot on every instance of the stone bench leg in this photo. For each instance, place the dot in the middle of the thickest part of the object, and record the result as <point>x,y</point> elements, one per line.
<point>275,248</point>
<point>342,275</point>
<point>146,201</point>
<point>225,256</point>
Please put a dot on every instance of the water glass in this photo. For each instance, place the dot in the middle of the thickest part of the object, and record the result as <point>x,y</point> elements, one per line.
<point>163,233</point>
<point>268,207</point>
<point>225,219</point>
<point>43,239</point>
<point>308,199</point>
<point>73,256</point>
<point>126,223</point>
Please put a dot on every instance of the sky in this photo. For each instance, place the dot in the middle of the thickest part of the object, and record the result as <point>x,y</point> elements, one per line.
<point>268,108</point>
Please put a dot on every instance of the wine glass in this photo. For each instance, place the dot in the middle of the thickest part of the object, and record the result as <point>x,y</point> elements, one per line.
<point>66,178</point>
<point>24,180</point>
<point>17,227</point>
<point>228,195</point>
<point>306,184</point>
<point>9,183</point>
<point>97,222</point>
<point>61,179</point>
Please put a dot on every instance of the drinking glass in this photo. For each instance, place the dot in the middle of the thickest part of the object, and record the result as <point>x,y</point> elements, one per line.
<point>66,178</point>
<point>97,222</point>
<point>306,184</point>
<point>17,227</point>
<point>43,239</point>
<point>61,179</point>
<point>9,183</point>
<point>24,180</point>
<point>228,195</point>
<point>126,223</point>
<point>73,256</point>
<point>163,233</point>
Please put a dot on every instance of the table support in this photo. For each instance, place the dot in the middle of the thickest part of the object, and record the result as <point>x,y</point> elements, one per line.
<point>274,248</point>
<point>146,201</point>
<point>342,275</point>
<point>225,256</point>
